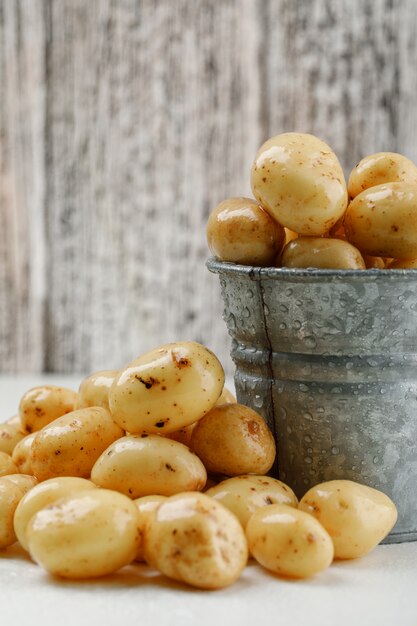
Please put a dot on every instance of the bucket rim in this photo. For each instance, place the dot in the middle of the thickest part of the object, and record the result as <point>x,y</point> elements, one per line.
<point>285,273</point>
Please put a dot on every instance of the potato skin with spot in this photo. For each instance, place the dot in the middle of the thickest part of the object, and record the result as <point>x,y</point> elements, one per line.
<point>87,534</point>
<point>194,539</point>
<point>10,435</point>
<point>240,231</point>
<point>94,389</point>
<point>22,454</point>
<point>41,405</point>
<point>243,495</point>
<point>233,439</point>
<point>298,179</point>
<point>166,389</point>
<point>289,542</point>
<point>148,465</point>
<point>322,253</point>
<point>356,517</point>
<point>42,495</point>
<point>382,221</point>
<point>71,444</point>
<point>380,168</point>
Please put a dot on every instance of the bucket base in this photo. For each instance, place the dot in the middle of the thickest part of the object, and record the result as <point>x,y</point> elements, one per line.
<point>400,537</point>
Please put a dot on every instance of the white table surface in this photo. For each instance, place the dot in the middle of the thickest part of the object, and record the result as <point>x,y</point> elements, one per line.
<point>380,589</point>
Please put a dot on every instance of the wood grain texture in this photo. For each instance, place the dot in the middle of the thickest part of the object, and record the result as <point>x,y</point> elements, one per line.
<point>123,123</point>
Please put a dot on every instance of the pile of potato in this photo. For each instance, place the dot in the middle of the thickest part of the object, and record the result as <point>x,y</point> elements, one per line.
<point>94,480</point>
<point>306,216</point>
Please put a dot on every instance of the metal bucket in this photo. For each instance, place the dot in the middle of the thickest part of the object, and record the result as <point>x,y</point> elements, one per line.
<point>329,358</point>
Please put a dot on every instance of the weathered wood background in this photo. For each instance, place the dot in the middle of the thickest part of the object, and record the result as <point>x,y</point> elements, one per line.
<point>122,123</point>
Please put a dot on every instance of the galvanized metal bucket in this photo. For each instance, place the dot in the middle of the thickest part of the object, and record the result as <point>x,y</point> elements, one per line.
<point>329,358</point>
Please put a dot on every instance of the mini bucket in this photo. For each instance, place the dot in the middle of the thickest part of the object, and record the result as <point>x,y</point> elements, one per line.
<point>329,359</point>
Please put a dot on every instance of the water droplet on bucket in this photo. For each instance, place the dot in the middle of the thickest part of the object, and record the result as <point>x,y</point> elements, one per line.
<point>303,387</point>
<point>307,416</point>
<point>258,401</point>
<point>335,450</point>
<point>282,326</point>
<point>375,460</point>
<point>296,324</point>
<point>308,459</point>
<point>310,342</point>
<point>283,308</point>
<point>288,292</point>
<point>307,439</point>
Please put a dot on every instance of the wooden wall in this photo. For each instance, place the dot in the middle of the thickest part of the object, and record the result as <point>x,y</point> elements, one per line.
<point>122,123</point>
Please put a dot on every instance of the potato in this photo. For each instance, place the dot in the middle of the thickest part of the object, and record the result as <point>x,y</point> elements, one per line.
<point>142,465</point>
<point>404,264</point>
<point>7,466</point>
<point>71,444</point>
<point>41,405</point>
<point>87,534</point>
<point>22,454</point>
<point>322,253</point>
<point>382,221</point>
<point>166,389</point>
<point>356,517</point>
<point>10,435</point>
<point>183,435</point>
<point>299,181</point>
<point>226,397</point>
<point>243,495</point>
<point>377,169</point>
<point>288,542</point>
<point>194,539</point>
<point>43,495</point>
<point>25,482</point>
<point>10,496</point>
<point>240,231</point>
<point>146,507</point>
<point>94,389</point>
<point>232,439</point>
<point>374,262</point>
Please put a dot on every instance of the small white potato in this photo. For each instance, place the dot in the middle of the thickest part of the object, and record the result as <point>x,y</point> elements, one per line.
<point>41,405</point>
<point>146,507</point>
<point>7,466</point>
<point>288,542</point>
<point>380,168</point>
<point>233,439</point>
<point>382,221</point>
<point>297,178</point>
<point>22,454</point>
<point>71,444</point>
<point>240,231</point>
<point>43,495</point>
<point>356,517</point>
<point>84,535</point>
<point>25,482</point>
<point>141,465</point>
<point>94,389</point>
<point>374,262</point>
<point>10,435</point>
<point>322,253</point>
<point>243,495</point>
<point>183,435</point>
<point>226,397</point>
<point>194,539</point>
<point>10,496</point>
<point>166,389</point>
